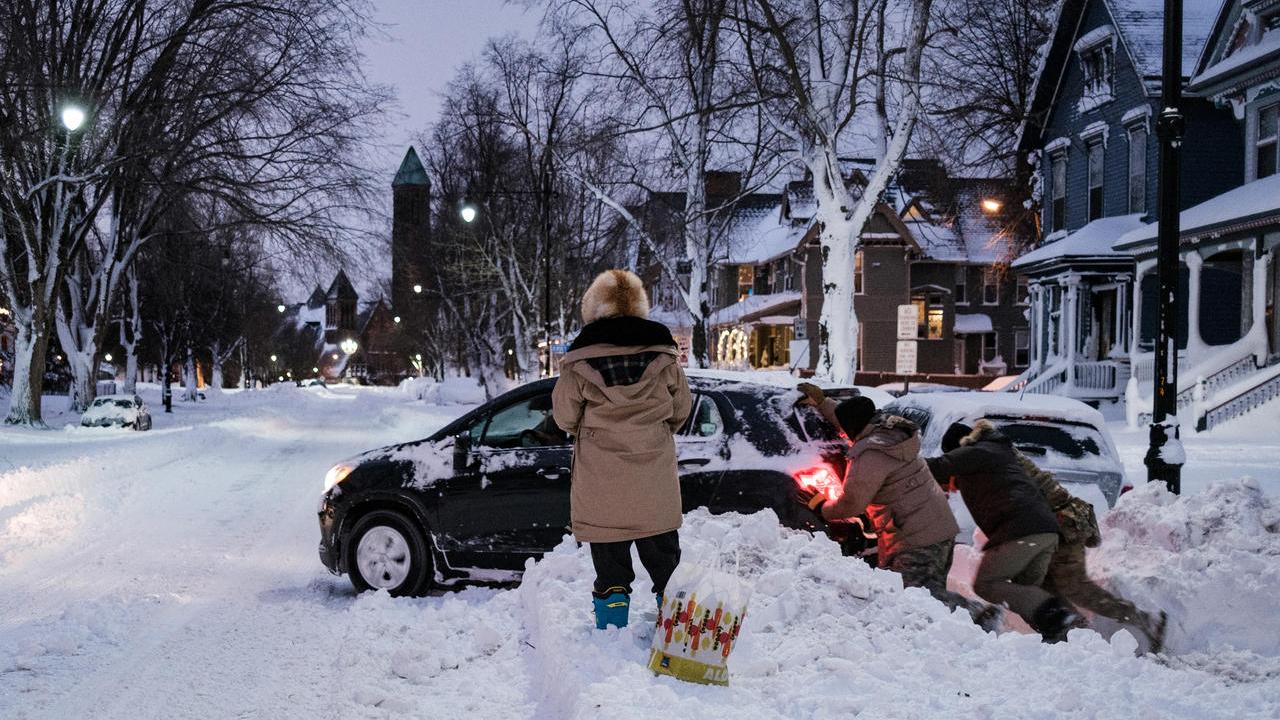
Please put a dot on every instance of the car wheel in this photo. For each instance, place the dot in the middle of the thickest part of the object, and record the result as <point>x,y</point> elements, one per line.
<point>387,551</point>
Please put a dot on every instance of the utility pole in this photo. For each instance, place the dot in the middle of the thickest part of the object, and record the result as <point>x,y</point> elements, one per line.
<point>1165,457</point>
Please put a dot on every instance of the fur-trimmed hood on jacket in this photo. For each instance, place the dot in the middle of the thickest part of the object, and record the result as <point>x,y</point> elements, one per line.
<point>983,430</point>
<point>615,293</point>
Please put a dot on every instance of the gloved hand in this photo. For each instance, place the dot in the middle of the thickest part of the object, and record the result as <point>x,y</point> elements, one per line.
<point>813,394</point>
<point>813,500</point>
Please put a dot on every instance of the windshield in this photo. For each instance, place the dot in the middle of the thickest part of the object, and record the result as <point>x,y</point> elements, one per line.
<point>1040,439</point>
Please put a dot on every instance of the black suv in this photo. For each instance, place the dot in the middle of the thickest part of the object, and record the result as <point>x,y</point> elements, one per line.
<point>490,490</point>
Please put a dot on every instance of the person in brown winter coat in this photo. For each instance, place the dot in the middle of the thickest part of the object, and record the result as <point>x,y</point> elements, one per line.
<point>886,477</point>
<point>622,395</point>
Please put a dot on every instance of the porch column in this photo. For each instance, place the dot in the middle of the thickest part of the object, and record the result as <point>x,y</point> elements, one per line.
<point>1036,327</point>
<point>1261,271</point>
<point>1121,345</point>
<point>1071,318</point>
<point>1135,332</point>
<point>1195,262</point>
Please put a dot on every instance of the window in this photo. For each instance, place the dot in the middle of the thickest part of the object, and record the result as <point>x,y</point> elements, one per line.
<point>1095,180</point>
<point>789,275</point>
<point>1058,182</point>
<point>990,348</point>
<point>929,313</point>
<point>1021,348</point>
<point>525,424</point>
<point>991,286</point>
<point>1137,169</point>
<point>961,295</point>
<point>1096,64</point>
<point>746,280</point>
<point>858,286</point>
<point>705,420</point>
<point>1265,163</point>
<point>1024,291</point>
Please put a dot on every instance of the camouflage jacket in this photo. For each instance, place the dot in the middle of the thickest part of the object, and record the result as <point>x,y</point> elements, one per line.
<point>1076,517</point>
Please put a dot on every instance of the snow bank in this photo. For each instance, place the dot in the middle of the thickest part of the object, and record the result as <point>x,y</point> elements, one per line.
<point>1211,560</point>
<point>450,391</point>
<point>827,636</point>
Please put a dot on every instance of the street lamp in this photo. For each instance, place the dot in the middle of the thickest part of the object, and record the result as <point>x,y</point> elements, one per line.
<point>417,289</point>
<point>273,358</point>
<point>991,206</point>
<point>72,117</point>
<point>107,357</point>
<point>349,346</point>
<point>396,319</point>
<point>1165,456</point>
<point>468,214</point>
<point>280,308</point>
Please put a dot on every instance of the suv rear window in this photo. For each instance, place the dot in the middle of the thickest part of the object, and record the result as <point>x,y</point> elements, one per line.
<point>1040,439</point>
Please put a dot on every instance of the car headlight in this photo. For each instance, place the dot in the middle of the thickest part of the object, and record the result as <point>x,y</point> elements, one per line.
<point>336,474</point>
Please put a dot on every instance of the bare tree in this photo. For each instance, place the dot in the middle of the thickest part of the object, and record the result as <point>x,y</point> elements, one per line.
<point>823,63</point>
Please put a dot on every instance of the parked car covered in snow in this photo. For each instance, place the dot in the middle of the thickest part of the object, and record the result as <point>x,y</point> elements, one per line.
<point>126,411</point>
<point>1061,435</point>
<point>477,499</point>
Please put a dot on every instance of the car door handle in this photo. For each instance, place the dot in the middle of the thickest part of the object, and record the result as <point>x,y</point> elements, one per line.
<point>695,461</point>
<point>552,473</point>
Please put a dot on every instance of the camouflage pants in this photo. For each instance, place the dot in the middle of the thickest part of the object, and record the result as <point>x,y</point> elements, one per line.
<point>1068,580</point>
<point>927,568</point>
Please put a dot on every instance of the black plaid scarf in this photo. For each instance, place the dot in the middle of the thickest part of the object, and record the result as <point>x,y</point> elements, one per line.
<point>622,369</point>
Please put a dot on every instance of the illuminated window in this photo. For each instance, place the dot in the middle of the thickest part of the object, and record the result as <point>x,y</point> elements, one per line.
<point>929,313</point>
<point>857,273</point>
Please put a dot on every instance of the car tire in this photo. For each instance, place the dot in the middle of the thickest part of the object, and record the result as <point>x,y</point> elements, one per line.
<point>387,551</point>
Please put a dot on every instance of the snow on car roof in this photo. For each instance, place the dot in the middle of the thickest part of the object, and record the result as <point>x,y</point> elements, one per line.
<point>983,404</point>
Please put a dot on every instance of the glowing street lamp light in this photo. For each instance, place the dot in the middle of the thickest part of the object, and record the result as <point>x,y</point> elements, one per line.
<point>273,358</point>
<point>396,319</point>
<point>349,346</point>
<point>468,213</point>
<point>280,308</point>
<point>991,205</point>
<point>107,357</point>
<point>417,289</point>
<point>72,117</point>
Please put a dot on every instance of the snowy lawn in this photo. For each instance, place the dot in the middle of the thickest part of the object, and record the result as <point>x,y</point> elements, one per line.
<point>173,574</point>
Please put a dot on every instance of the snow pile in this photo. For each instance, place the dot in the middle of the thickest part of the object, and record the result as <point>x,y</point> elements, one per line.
<point>827,636</point>
<point>450,391</point>
<point>1211,560</point>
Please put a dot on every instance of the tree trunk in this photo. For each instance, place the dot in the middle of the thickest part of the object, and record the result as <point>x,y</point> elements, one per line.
<point>189,377</point>
<point>29,353</point>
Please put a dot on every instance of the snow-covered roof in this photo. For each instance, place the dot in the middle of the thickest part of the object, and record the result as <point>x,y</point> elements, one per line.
<point>973,324</point>
<point>760,234</point>
<point>754,306</point>
<point>1092,240</point>
<point>1253,201</point>
<point>1141,24</point>
<point>1252,56</point>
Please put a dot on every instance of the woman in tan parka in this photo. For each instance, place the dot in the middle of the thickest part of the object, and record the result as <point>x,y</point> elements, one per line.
<point>622,395</point>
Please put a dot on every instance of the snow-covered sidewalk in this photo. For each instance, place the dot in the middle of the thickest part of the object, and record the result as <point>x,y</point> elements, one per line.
<point>173,574</point>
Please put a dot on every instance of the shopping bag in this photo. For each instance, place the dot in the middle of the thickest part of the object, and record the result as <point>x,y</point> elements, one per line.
<point>699,621</point>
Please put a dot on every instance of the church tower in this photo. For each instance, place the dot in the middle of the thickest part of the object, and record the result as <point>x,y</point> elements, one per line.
<point>410,239</point>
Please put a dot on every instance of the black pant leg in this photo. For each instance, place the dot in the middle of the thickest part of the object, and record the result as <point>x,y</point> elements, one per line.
<point>613,566</point>
<point>660,554</point>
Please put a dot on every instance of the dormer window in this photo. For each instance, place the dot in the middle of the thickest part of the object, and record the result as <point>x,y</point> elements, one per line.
<point>1096,50</point>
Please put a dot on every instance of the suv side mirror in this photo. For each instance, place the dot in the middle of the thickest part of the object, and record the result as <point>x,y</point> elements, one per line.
<point>461,451</point>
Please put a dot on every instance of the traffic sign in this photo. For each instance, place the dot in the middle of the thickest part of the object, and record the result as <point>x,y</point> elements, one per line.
<point>906,364</point>
<point>908,322</point>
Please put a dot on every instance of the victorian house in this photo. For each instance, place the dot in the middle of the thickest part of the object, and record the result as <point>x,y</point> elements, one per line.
<point>1092,138</point>
<point>939,243</point>
<point>1229,342</point>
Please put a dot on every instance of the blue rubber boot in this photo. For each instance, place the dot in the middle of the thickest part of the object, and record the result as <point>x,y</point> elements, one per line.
<point>611,608</point>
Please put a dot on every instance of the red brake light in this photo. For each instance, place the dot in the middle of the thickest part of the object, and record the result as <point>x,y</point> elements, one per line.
<point>1125,488</point>
<point>821,479</point>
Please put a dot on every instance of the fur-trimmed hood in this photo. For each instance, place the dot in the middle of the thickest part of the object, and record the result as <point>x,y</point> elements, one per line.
<point>615,293</point>
<point>983,430</point>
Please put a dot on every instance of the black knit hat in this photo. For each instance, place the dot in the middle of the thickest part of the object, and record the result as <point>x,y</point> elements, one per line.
<point>954,434</point>
<point>854,414</point>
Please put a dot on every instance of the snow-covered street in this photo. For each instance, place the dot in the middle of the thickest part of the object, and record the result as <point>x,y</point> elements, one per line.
<point>173,574</point>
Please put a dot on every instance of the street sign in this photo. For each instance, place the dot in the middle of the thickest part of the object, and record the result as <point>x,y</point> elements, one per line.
<point>908,321</point>
<point>800,328</point>
<point>906,364</point>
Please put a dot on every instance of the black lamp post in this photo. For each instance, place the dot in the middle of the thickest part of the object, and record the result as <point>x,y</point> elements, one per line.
<point>1164,457</point>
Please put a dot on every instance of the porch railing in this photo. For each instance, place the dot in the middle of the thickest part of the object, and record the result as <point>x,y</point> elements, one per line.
<point>1098,376</point>
<point>1262,392</point>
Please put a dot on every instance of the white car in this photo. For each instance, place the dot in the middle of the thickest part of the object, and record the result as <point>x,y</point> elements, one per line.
<point>1061,435</point>
<point>126,411</point>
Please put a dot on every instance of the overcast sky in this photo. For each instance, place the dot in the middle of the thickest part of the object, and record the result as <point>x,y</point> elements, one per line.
<point>421,44</point>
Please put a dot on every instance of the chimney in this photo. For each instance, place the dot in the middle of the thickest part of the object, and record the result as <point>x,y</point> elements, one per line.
<point>722,185</point>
